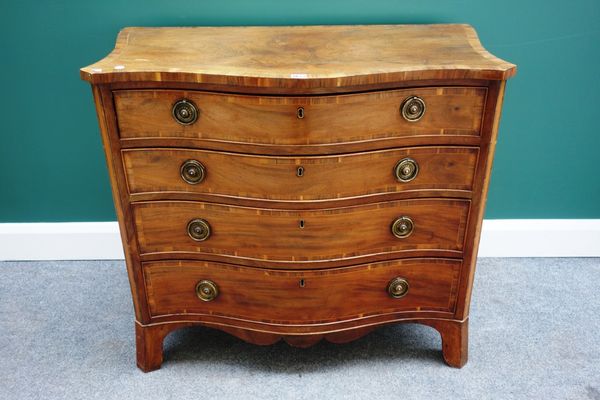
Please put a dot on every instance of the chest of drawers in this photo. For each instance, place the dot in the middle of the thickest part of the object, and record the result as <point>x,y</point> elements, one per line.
<point>299,183</point>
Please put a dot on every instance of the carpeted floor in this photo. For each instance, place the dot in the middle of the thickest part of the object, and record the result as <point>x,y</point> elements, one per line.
<point>66,332</point>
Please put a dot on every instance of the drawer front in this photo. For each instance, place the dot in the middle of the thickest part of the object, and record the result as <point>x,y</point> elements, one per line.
<point>276,120</point>
<point>300,296</point>
<point>299,178</point>
<point>300,235</point>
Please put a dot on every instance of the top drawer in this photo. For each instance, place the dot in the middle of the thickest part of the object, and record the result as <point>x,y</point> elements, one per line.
<point>270,120</point>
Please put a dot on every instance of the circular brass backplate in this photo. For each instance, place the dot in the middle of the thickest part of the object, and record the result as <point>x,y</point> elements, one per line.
<point>198,229</point>
<point>413,108</point>
<point>406,170</point>
<point>185,112</point>
<point>206,290</point>
<point>402,227</point>
<point>397,287</point>
<point>192,171</point>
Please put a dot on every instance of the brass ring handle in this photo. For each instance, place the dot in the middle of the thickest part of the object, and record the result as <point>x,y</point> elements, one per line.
<point>192,171</point>
<point>206,290</point>
<point>185,112</point>
<point>402,227</point>
<point>397,287</point>
<point>198,229</point>
<point>413,108</point>
<point>406,170</point>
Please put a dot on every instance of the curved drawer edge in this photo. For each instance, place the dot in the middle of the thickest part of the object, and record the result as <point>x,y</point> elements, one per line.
<point>301,204</point>
<point>301,297</point>
<point>155,171</point>
<point>329,119</point>
<point>449,139</point>
<point>439,226</point>
<point>302,265</point>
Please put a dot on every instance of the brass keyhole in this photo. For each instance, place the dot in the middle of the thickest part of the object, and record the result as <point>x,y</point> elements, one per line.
<point>301,224</point>
<point>300,171</point>
<point>302,283</point>
<point>300,112</point>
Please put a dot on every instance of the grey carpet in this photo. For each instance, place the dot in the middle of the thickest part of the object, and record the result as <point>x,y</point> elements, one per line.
<point>66,332</point>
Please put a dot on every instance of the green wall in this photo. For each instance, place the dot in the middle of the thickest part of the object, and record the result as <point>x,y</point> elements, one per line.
<point>51,161</point>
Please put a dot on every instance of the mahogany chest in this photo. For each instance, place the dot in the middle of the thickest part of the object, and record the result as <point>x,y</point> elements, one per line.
<point>299,183</point>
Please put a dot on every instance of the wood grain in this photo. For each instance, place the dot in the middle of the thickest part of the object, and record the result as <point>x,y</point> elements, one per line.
<point>455,340</point>
<point>149,338</point>
<point>303,150</point>
<point>339,233</point>
<point>298,90</point>
<point>111,143</point>
<point>480,190</point>
<point>278,296</point>
<point>276,178</point>
<point>248,84</point>
<point>292,56</point>
<point>273,119</point>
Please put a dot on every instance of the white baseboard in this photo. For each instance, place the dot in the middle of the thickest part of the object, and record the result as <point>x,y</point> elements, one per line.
<point>101,240</point>
<point>540,238</point>
<point>60,241</point>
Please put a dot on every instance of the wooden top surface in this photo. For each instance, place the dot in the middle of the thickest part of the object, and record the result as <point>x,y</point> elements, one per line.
<point>293,56</point>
